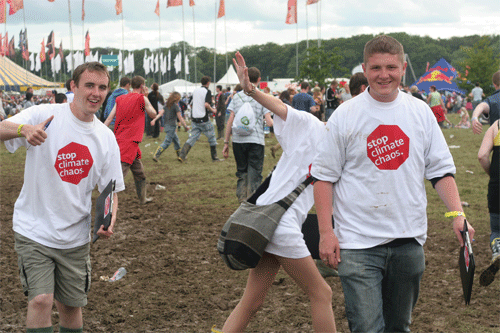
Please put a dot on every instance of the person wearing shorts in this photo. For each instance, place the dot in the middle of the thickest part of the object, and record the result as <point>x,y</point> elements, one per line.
<point>69,152</point>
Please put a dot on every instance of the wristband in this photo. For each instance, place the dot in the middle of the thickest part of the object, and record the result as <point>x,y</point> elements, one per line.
<point>474,118</point>
<point>251,92</point>
<point>226,142</point>
<point>454,214</point>
<point>19,130</point>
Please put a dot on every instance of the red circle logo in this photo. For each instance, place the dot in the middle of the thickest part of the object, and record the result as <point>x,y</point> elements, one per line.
<point>73,163</point>
<point>388,147</point>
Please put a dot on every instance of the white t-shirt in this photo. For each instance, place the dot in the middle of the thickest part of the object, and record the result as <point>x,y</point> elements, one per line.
<point>258,134</point>
<point>199,99</point>
<point>70,96</point>
<point>377,155</point>
<point>299,136</point>
<point>54,206</point>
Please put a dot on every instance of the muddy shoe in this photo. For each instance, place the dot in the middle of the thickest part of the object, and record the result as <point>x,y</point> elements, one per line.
<point>488,276</point>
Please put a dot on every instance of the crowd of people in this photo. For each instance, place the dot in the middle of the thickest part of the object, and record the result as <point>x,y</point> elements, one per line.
<point>353,138</point>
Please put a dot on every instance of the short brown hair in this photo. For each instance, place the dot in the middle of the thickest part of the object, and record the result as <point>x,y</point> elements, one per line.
<point>124,81</point>
<point>253,74</point>
<point>383,44</point>
<point>496,78</point>
<point>92,66</point>
<point>137,82</point>
<point>355,83</point>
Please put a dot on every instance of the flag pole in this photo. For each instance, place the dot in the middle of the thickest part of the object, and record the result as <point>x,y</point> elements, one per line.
<point>184,47</point>
<point>24,20</point>
<point>297,49</point>
<point>319,23</point>
<point>71,39</point>
<point>225,36</point>
<point>194,46</point>
<point>307,29</point>
<point>123,45</point>
<point>159,45</point>
<point>215,41</point>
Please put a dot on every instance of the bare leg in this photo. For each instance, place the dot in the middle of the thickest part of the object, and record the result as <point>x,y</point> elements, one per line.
<point>69,317</point>
<point>305,273</point>
<point>40,311</point>
<point>260,279</point>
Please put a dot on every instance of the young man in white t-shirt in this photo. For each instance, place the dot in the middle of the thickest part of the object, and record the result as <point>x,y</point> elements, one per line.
<point>378,149</point>
<point>69,152</point>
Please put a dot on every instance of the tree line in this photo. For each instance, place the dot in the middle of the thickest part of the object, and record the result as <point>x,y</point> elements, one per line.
<point>478,56</point>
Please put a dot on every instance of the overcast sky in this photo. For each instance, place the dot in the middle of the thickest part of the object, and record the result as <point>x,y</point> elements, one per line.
<point>246,22</point>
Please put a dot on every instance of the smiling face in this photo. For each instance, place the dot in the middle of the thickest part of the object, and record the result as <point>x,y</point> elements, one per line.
<point>384,72</point>
<point>89,94</point>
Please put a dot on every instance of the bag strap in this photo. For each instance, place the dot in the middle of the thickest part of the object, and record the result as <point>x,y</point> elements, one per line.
<point>287,201</point>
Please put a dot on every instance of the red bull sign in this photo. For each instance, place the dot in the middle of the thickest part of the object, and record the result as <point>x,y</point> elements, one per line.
<point>435,76</point>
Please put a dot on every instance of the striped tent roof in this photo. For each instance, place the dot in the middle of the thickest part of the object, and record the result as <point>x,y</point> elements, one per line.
<point>15,78</point>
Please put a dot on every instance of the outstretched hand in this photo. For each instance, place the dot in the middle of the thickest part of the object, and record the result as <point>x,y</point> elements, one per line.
<point>242,71</point>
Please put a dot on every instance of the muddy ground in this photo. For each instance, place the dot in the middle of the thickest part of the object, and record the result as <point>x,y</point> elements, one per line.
<point>176,281</point>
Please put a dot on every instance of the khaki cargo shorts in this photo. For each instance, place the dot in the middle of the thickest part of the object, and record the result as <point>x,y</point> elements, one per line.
<point>62,272</point>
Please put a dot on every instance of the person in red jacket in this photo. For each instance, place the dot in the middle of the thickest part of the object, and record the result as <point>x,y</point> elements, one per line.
<point>130,111</point>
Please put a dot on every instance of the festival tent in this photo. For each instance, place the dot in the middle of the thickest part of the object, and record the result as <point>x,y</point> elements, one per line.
<point>440,75</point>
<point>230,78</point>
<point>15,78</point>
<point>179,85</point>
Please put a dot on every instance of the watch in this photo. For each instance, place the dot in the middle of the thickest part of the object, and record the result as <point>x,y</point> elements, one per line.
<point>251,92</point>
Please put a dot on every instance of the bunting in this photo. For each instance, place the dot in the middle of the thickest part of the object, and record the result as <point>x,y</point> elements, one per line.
<point>83,10</point>
<point>157,9</point>
<point>310,2</point>
<point>1,45</point>
<point>51,52</point>
<point>51,0</point>
<point>15,5</point>
<point>173,3</point>
<point>42,52</point>
<point>118,7</point>
<point>4,49</point>
<point>222,9</point>
<point>191,3</point>
<point>87,44</point>
<point>291,16</point>
<point>3,10</point>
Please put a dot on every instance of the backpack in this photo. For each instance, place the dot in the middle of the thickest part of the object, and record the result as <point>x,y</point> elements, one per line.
<point>244,121</point>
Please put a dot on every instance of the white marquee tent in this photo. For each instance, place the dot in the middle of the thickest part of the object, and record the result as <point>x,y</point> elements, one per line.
<point>230,78</point>
<point>179,85</point>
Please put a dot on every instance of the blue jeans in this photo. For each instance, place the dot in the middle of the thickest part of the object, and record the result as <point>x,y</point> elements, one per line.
<point>328,113</point>
<point>206,128</point>
<point>495,226</point>
<point>171,136</point>
<point>381,286</point>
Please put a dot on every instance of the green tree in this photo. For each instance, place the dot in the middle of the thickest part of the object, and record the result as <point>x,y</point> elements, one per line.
<point>318,65</point>
<point>478,65</point>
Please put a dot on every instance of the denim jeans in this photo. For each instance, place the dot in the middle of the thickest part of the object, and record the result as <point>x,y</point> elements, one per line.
<point>206,128</point>
<point>495,226</point>
<point>381,286</point>
<point>328,113</point>
<point>171,136</point>
<point>249,159</point>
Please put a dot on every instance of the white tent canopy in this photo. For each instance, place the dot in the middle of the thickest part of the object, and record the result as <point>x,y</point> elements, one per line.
<point>179,85</point>
<point>230,78</point>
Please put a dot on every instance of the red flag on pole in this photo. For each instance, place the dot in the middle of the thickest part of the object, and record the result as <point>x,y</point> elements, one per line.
<point>87,44</point>
<point>310,2</point>
<point>12,50</point>
<point>191,3</point>
<point>291,16</point>
<point>118,7</point>
<point>42,51</point>
<point>83,10</point>
<point>222,9</point>
<point>15,5</point>
<point>5,49</point>
<point>157,9</point>
<point>1,45</point>
<point>173,3</point>
<point>3,9</point>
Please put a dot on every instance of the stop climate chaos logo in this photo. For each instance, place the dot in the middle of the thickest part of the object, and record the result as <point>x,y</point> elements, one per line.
<point>388,147</point>
<point>73,163</point>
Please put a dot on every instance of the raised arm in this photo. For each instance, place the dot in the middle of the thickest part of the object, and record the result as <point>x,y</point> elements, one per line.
<point>111,116</point>
<point>273,104</point>
<point>34,134</point>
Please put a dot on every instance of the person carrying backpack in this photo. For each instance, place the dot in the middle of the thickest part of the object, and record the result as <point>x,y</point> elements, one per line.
<point>245,124</point>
